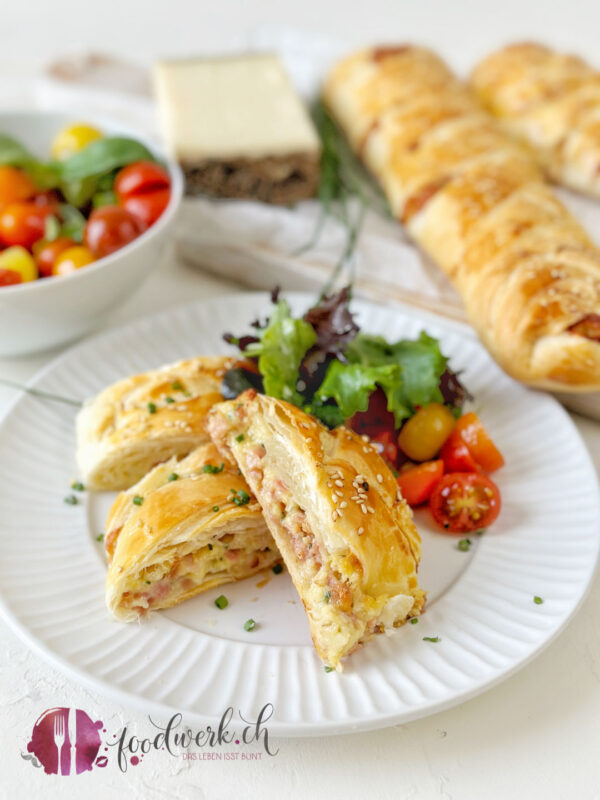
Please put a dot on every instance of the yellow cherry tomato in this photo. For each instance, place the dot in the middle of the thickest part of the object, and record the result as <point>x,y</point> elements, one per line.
<point>71,259</point>
<point>423,435</point>
<point>19,260</point>
<point>72,139</point>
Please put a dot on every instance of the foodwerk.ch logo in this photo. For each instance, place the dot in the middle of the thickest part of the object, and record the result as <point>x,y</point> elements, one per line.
<point>67,741</point>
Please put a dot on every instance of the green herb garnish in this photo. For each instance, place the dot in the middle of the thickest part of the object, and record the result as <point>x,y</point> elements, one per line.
<point>100,537</point>
<point>240,498</point>
<point>413,620</point>
<point>431,639</point>
<point>538,600</point>
<point>212,470</point>
<point>71,500</point>
<point>169,399</point>
<point>328,669</point>
<point>78,486</point>
<point>173,477</point>
<point>239,437</point>
<point>152,408</point>
<point>215,509</point>
<point>221,602</point>
<point>138,500</point>
<point>464,545</point>
<point>177,386</point>
<point>249,625</point>
<point>327,596</point>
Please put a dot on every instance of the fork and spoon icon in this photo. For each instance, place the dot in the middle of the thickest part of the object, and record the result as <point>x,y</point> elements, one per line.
<point>60,735</point>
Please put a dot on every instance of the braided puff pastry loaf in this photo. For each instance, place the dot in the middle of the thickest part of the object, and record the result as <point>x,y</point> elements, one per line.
<point>476,202</point>
<point>551,101</point>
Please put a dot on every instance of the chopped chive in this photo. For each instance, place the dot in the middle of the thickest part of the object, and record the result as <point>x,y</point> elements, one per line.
<point>328,669</point>
<point>327,596</point>
<point>278,568</point>
<point>239,437</point>
<point>71,500</point>
<point>137,500</point>
<point>215,509</point>
<point>152,408</point>
<point>249,625</point>
<point>100,537</point>
<point>78,486</point>
<point>413,620</point>
<point>212,470</point>
<point>464,545</point>
<point>221,602</point>
<point>538,600</point>
<point>177,385</point>
<point>173,476</point>
<point>431,638</point>
<point>169,399</point>
<point>241,498</point>
<point>148,582</point>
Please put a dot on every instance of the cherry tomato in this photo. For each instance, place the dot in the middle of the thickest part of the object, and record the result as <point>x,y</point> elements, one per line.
<point>8,277</point>
<point>15,186</point>
<point>418,482</point>
<point>385,443</point>
<point>22,223</point>
<point>17,259</point>
<point>463,502</point>
<point>72,259</point>
<point>147,206</point>
<point>110,228</point>
<point>457,456</point>
<point>72,139</point>
<point>46,253</point>
<point>141,177</point>
<point>423,434</point>
<point>480,445</point>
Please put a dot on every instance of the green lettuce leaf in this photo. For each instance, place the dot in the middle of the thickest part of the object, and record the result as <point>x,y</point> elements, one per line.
<point>351,385</point>
<point>283,344</point>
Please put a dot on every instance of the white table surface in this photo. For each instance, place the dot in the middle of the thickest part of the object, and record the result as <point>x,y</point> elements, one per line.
<point>536,735</point>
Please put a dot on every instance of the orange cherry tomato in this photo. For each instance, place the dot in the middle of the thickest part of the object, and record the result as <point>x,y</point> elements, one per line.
<point>480,445</point>
<point>141,177</point>
<point>15,186</point>
<point>22,224</point>
<point>109,228</point>
<point>464,502</point>
<point>417,483</point>
<point>46,253</point>
<point>147,206</point>
<point>8,277</point>
<point>456,455</point>
<point>72,259</point>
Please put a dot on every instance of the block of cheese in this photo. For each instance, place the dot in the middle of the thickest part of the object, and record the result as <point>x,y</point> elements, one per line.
<point>238,128</point>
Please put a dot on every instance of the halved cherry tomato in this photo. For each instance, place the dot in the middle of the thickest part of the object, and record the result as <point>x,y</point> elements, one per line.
<point>141,177</point>
<point>15,186</point>
<point>72,259</point>
<point>424,433</point>
<point>463,502</point>
<point>456,455</point>
<point>147,206</point>
<point>8,277</point>
<point>22,223</point>
<point>46,253</point>
<point>110,228</point>
<point>480,445</point>
<point>417,483</point>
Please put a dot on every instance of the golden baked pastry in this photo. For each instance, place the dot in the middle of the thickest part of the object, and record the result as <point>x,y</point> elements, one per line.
<point>551,101</point>
<point>334,509</point>
<point>140,421</point>
<point>476,201</point>
<point>186,527</point>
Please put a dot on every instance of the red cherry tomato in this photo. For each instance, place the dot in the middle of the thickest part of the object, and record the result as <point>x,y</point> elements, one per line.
<point>22,224</point>
<point>48,198</point>
<point>141,177</point>
<point>456,455</point>
<point>385,443</point>
<point>480,445</point>
<point>464,502</point>
<point>15,186</point>
<point>109,228</point>
<point>8,277</point>
<point>147,206</point>
<point>417,483</point>
<point>46,253</point>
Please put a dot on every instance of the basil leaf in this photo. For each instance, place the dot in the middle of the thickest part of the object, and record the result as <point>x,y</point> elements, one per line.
<point>282,346</point>
<point>73,222</point>
<point>103,155</point>
<point>79,193</point>
<point>44,176</point>
<point>351,385</point>
<point>12,153</point>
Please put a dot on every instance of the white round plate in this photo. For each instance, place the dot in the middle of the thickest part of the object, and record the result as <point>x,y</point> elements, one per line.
<point>199,660</point>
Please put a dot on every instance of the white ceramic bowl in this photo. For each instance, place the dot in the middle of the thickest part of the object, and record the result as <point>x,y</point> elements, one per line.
<point>41,314</point>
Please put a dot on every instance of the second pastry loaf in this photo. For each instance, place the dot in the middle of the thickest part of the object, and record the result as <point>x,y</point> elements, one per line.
<point>477,203</point>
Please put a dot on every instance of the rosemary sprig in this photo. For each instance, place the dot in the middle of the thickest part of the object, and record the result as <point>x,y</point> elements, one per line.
<point>39,393</point>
